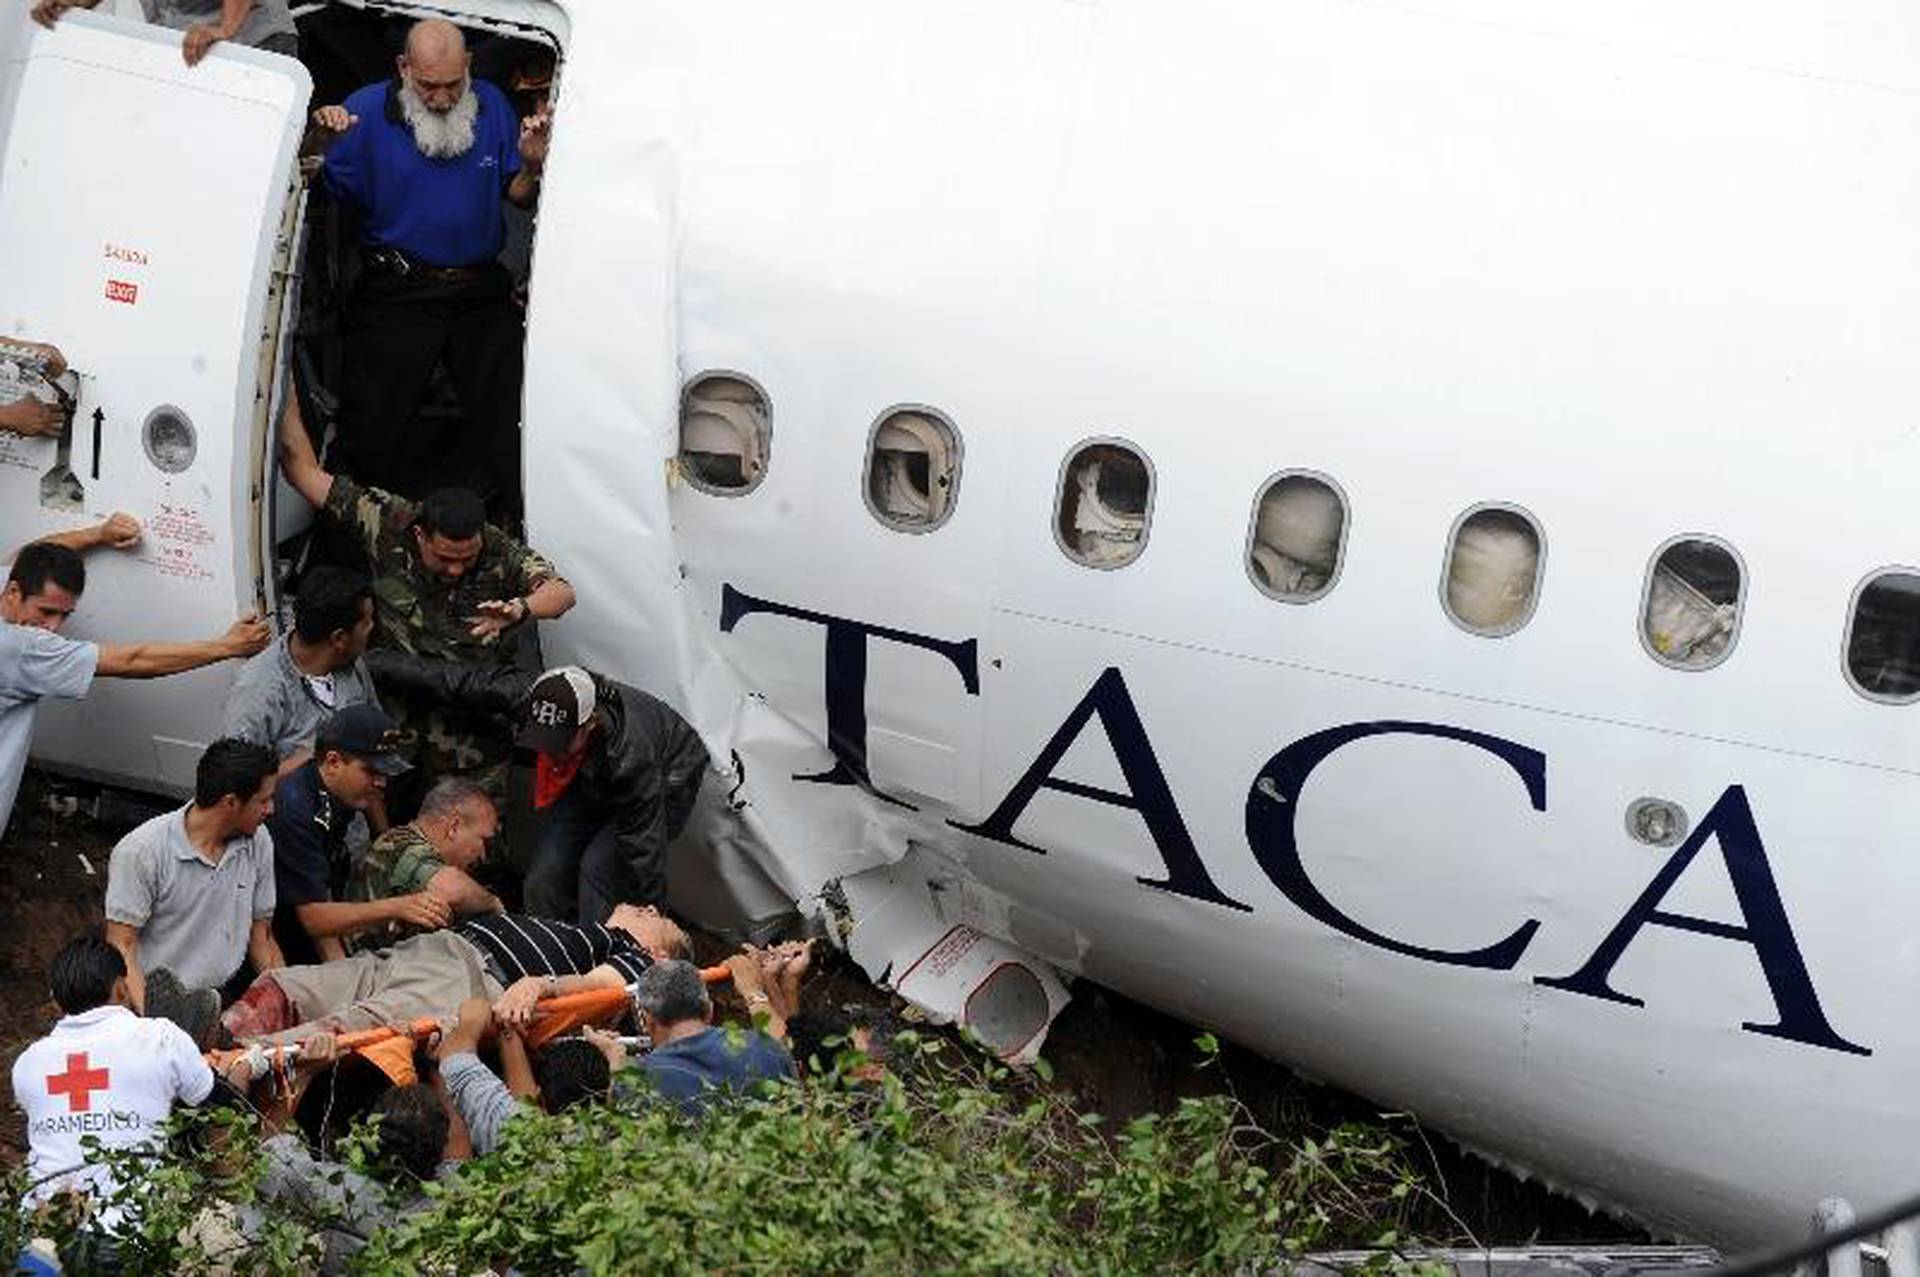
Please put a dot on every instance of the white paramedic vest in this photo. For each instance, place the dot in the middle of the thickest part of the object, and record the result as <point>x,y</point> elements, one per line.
<point>107,1073</point>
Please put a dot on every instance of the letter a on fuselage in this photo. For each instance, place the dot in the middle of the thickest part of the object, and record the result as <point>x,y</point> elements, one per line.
<point>1732,826</point>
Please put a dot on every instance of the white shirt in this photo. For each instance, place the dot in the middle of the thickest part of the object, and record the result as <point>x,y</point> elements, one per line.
<point>322,685</point>
<point>106,1073</point>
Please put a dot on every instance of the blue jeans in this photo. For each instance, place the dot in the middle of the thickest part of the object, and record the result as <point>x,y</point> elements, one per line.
<point>579,869</point>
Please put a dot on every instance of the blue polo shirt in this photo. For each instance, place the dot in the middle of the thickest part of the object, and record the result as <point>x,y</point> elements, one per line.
<point>438,212</point>
<point>696,1070</point>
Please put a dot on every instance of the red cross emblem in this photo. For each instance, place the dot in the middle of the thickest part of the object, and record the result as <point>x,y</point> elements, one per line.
<point>78,1083</point>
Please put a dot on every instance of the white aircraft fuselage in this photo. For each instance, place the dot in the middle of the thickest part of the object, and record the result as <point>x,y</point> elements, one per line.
<point>1633,272</point>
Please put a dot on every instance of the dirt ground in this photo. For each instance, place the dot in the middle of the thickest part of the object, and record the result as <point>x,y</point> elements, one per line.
<point>1117,1057</point>
<point>51,888</point>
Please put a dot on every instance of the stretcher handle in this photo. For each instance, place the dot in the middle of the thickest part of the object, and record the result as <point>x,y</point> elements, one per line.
<point>420,1030</point>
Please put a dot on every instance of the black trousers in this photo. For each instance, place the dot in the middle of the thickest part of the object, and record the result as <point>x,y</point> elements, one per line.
<point>396,329</point>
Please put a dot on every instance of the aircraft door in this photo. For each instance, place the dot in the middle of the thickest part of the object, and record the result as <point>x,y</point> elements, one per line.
<point>148,213</point>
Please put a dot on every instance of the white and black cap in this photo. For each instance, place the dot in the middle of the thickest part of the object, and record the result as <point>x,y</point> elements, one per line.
<point>558,702</point>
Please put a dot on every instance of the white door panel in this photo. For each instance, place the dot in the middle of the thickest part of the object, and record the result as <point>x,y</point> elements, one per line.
<point>140,206</point>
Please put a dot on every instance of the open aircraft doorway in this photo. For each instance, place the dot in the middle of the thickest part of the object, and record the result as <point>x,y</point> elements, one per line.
<point>182,314</point>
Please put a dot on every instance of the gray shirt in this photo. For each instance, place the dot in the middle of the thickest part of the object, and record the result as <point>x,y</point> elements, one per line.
<point>269,18</point>
<point>482,1100</point>
<point>33,663</point>
<point>350,1207</point>
<point>273,704</point>
<point>193,917</point>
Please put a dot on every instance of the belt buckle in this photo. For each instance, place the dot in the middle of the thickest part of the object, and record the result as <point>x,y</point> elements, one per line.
<point>392,261</point>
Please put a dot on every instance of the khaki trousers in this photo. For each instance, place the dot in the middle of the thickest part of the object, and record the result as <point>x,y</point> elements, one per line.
<point>425,975</point>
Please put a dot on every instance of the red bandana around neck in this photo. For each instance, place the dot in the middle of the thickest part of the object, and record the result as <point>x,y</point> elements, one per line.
<point>551,775</point>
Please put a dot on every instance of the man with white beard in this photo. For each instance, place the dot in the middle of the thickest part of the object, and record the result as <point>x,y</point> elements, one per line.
<point>423,159</point>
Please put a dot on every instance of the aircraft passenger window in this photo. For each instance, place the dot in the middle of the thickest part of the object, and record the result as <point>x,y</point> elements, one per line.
<point>1690,616</point>
<point>1492,576</point>
<point>1105,504</point>
<point>1297,536</point>
<point>913,469</point>
<point>726,434</point>
<point>1883,637</point>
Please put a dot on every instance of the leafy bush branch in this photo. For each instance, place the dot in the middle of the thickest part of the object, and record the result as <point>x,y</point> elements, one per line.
<point>949,1165</point>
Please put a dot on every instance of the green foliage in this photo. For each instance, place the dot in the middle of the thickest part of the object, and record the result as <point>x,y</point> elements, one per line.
<point>948,1165</point>
<point>954,1167</point>
<point>189,1205</point>
<point>14,1233</point>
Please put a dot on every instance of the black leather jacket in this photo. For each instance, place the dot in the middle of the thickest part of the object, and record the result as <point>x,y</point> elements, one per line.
<point>642,768</point>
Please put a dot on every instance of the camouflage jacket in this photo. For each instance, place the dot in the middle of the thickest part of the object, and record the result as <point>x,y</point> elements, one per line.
<point>415,610</point>
<point>399,863</point>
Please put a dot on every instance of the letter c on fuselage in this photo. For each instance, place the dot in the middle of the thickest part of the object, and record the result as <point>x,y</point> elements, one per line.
<point>1275,796</point>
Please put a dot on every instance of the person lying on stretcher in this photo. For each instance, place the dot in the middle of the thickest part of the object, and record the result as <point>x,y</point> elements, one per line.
<point>511,960</point>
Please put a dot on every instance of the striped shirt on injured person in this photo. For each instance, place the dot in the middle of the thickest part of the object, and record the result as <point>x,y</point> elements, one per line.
<point>517,945</point>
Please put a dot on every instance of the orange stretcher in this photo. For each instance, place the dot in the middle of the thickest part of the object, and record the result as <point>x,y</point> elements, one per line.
<point>566,1012</point>
<point>553,1017</point>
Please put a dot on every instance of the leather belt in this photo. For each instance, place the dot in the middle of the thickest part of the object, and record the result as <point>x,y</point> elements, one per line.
<point>391,261</point>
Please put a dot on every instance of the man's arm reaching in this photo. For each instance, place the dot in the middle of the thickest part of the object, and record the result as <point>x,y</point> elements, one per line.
<point>517,1068</point>
<point>47,12</point>
<point>327,919</point>
<point>461,892</point>
<point>126,939</point>
<point>483,689</point>
<point>299,464</point>
<point>156,660</point>
<point>33,418</point>
<point>516,1006</point>
<point>262,949</point>
<point>117,532</point>
<point>201,38</point>
<point>324,128</point>
<point>482,1100</point>
<point>747,983</point>
<point>536,131</point>
<point>552,598</point>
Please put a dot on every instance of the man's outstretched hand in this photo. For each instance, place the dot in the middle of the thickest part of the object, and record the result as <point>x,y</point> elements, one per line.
<point>118,531</point>
<point>47,12</point>
<point>475,1015</point>
<point>246,636</point>
<point>334,120</point>
<point>32,417</point>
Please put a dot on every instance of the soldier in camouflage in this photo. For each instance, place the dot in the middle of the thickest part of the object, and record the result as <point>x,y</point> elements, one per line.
<point>434,854</point>
<point>447,584</point>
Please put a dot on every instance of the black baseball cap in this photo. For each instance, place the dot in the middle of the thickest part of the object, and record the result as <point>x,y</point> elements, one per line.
<point>557,703</point>
<point>363,731</point>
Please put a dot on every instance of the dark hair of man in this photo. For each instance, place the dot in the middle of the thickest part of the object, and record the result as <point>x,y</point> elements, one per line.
<point>339,1099</point>
<point>44,561</point>
<point>81,975</point>
<point>457,514</point>
<point>571,1071</point>
<point>413,1128</point>
<point>328,602</point>
<point>671,991</point>
<point>232,767</point>
<point>818,1037</point>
